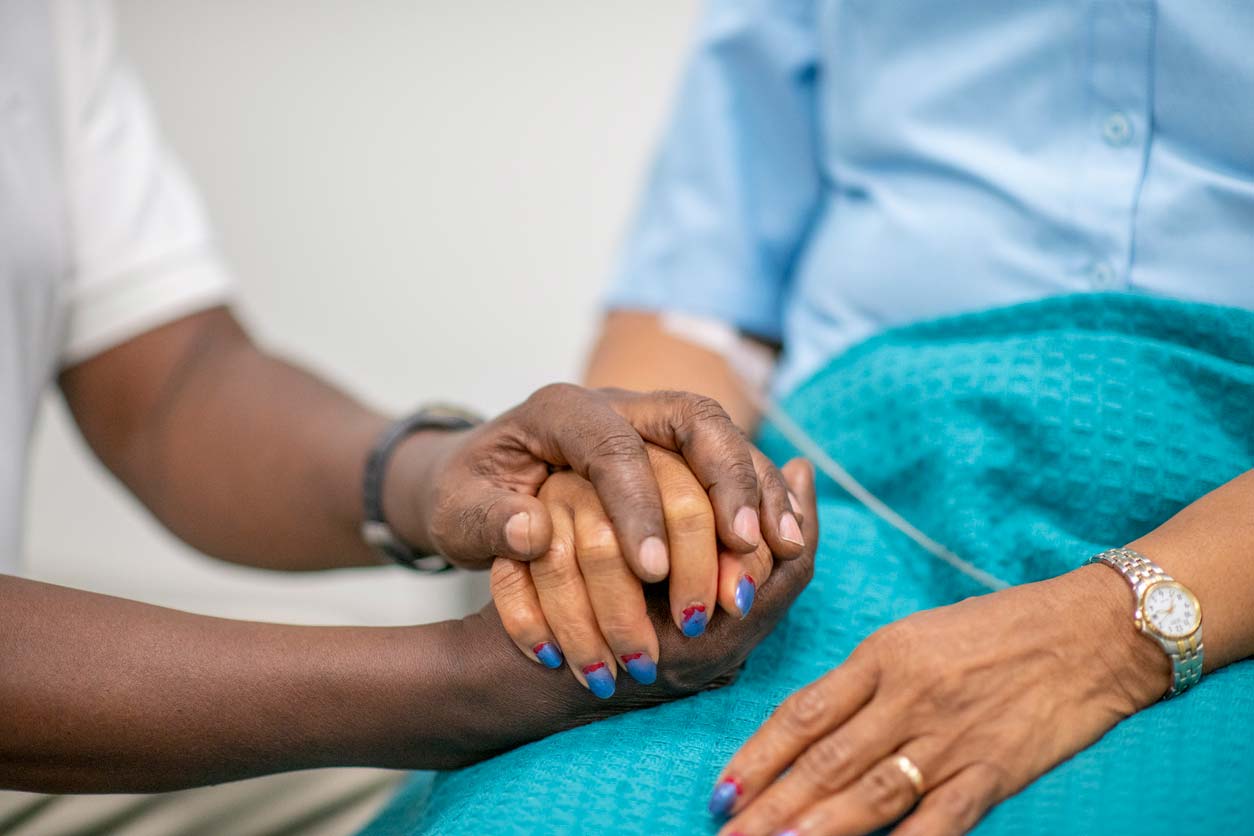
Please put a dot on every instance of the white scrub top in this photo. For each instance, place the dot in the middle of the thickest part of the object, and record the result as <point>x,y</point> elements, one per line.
<point>101,235</point>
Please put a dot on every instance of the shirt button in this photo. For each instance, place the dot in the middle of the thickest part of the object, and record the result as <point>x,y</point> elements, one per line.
<point>1117,129</point>
<point>1104,276</point>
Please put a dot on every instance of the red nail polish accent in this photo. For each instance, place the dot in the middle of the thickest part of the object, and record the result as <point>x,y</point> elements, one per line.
<point>627,657</point>
<point>595,666</point>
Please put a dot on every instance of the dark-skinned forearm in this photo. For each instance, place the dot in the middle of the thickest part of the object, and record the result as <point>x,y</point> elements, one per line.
<point>241,454</point>
<point>105,695</point>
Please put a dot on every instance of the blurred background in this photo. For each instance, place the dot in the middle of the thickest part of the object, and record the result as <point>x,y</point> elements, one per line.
<point>420,199</point>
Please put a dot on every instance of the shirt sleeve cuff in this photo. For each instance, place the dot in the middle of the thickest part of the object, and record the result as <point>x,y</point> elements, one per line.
<point>754,313</point>
<point>106,313</point>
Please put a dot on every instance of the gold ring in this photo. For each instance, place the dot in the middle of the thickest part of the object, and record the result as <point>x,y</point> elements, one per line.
<point>910,771</point>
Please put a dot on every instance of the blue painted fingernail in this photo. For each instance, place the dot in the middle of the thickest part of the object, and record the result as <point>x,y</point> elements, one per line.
<point>694,620</point>
<point>600,682</point>
<point>746,590</point>
<point>641,667</point>
<point>548,654</point>
<point>724,796</point>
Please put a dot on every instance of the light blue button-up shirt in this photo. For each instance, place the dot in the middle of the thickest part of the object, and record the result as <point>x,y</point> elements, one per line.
<point>836,167</point>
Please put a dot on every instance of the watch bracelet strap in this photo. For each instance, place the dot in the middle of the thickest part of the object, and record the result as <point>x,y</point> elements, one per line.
<point>1140,572</point>
<point>375,529</point>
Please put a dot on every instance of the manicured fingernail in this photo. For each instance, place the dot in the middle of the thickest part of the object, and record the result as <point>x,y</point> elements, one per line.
<point>790,832</point>
<point>746,589</point>
<point>694,620</point>
<point>548,654</point>
<point>518,532</point>
<point>789,530</point>
<point>653,557</point>
<point>794,502</point>
<point>724,796</point>
<point>600,682</point>
<point>641,667</point>
<point>746,526</point>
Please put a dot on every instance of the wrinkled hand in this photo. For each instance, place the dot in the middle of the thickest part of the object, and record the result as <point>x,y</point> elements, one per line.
<point>471,495</point>
<point>581,600</point>
<point>982,696</point>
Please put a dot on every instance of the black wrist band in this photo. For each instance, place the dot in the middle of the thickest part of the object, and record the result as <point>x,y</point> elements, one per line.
<point>375,529</point>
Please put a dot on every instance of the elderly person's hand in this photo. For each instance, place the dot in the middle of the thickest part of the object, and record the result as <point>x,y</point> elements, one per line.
<point>582,600</point>
<point>980,697</point>
<point>470,495</point>
<point>539,701</point>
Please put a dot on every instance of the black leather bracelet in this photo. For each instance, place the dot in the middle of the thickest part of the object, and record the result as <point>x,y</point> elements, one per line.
<point>375,529</point>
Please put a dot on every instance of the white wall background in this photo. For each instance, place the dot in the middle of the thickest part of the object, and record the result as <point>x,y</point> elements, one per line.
<point>422,199</point>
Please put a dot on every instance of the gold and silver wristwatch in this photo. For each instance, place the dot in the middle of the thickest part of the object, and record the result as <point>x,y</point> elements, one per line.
<point>1166,611</point>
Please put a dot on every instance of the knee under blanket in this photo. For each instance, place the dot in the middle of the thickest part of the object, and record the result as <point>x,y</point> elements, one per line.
<point>1025,439</point>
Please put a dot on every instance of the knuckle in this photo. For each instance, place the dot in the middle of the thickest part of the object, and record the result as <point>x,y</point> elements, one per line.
<point>560,556</point>
<point>958,804</point>
<point>832,751</point>
<point>741,476</point>
<point>805,712</point>
<point>621,629</point>
<point>698,412</point>
<point>703,408</point>
<point>896,641</point>
<point>688,511</point>
<point>557,568</point>
<point>823,763</point>
<point>774,488</point>
<point>597,545</point>
<point>997,780</point>
<point>616,446</point>
<point>885,789</point>
<point>508,584</point>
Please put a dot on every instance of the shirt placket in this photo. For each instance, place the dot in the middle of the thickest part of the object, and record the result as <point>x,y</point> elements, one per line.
<point>1119,127</point>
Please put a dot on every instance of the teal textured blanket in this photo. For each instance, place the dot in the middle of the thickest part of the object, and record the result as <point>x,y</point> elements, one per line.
<point>1023,438</point>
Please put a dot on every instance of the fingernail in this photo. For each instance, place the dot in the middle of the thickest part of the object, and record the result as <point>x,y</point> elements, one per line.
<point>794,502</point>
<point>746,590</point>
<point>653,557</point>
<point>548,654</point>
<point>600,682</point>
<point>694,620</point>
<point>746,525</point>
<point>518,532</point>
<point>724,796</point>
<point>789,530</point>
<point>790,832</point>
<point>641,667</point>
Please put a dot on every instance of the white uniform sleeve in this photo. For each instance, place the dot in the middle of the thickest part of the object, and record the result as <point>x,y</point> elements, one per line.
<point>142,250</point>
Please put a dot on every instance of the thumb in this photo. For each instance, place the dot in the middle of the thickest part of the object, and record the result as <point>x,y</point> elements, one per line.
<point>487,521</point>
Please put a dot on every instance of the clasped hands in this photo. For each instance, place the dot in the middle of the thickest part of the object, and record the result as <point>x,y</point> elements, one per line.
<point>581,602</point>
<point>589,499</point>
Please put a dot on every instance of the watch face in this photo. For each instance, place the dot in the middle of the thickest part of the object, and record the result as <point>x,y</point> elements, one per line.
<point>1171,610</point>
